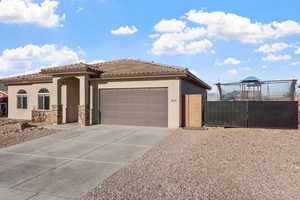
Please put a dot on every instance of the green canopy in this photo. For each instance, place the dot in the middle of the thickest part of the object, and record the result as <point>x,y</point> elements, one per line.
<point>250,79</point>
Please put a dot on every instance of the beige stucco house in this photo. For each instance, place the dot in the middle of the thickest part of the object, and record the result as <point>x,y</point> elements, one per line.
<point>126,92</point>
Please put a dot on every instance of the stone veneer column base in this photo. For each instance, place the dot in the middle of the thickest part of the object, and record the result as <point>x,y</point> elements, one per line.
<point>41,116</point>
<point>84,115</point>
<point>57,114</point>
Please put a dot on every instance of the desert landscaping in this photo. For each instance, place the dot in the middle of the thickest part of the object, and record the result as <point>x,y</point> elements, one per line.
<point>17,131</point>
<point>215,164</point>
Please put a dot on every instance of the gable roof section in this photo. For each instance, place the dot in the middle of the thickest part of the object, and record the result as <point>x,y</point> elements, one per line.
<point>126,68</point>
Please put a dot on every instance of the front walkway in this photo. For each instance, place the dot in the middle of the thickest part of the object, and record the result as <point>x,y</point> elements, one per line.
<point>68,164</point>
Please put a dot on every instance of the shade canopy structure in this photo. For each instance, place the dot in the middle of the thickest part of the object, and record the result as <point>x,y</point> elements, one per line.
<point>250,79</point>
<point>253,89</point>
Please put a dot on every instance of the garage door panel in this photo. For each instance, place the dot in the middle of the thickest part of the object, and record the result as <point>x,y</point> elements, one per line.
<point>145,107</point>
<point>134,108</point>
<point>137,120</point>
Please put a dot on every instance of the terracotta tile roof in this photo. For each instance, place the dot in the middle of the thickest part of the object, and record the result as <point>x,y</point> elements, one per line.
<point>135,68</point>
<point>28,78</point>
<point>73,68</point>
<point>113,69</point>
<point>130,67</point>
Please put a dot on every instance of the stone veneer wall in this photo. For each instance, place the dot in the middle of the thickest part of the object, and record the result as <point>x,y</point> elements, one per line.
<point>57,114</point>
<point>84,115</point>
<point>41,116</point>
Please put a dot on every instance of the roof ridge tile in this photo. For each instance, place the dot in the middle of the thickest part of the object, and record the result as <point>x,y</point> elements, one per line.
<point>143,61</point>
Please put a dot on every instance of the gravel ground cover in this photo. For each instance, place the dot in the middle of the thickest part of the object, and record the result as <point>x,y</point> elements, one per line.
<point>217,164</point>
<point>15,131</point>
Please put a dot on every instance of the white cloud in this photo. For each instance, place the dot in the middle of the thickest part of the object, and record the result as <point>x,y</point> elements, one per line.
<point>229,26</point>
<point>154,36</point>
<point>295,63</point>
<point>297,51</point>
<point>80,51</point>
<point>186,42</point>
<point>232,71</point>
<point>235,71</point>
<point>125,30</point>
<point>174,36</point>
<point>172,25</point>
<point>273,58</point>
<point>197,47</point>
<point>25,11</point>
<point>80,9</point>
<point>229,61</point>
<point>266,48</point>
<point>32,57</point>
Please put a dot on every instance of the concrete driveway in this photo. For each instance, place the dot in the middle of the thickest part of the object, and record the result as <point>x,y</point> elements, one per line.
<point>69,164</point>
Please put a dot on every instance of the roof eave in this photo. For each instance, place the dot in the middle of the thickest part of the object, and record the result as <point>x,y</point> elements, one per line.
<point>174,75</point>
<point>26,82</point>
<point>197,80</point>
<point>106,78</point>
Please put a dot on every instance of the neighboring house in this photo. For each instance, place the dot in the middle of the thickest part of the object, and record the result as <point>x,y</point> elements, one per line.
<point>3,104</point>
<point>125,92</point>
<point>3,88</point>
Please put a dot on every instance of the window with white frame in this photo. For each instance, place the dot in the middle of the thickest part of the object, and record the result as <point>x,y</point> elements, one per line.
<point>43,99</point>
<point>22,99</point>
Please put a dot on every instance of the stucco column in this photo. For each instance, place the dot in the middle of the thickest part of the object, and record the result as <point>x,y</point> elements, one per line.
<point>56,105</point>
<point>91,103</point>
<point>64,102</point>
<point>94,99</point>
<point>84,108</point>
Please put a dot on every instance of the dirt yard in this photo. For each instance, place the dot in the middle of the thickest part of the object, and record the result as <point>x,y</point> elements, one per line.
<point>15,131</point>
<point>220,164</point>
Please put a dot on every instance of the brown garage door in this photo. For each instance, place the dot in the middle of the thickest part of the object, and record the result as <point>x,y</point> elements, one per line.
<point>141,107</point>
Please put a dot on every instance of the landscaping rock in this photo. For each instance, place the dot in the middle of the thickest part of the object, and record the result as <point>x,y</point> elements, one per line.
<point>13,132</point>
<point>22,125</point>
<point>220,164</point>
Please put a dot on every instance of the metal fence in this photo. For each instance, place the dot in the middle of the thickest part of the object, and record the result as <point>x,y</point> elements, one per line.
<point>275,90</point>
<point>252,114</point>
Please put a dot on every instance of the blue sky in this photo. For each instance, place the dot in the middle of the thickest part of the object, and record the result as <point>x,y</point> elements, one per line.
<point>217,40</point>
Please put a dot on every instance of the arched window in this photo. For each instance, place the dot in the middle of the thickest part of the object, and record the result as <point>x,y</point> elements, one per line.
<point>22,99</point>
<point>43,99</point>
<point>43,91</point>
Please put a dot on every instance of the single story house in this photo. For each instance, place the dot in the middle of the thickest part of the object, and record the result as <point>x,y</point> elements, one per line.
<point>125,92</point>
